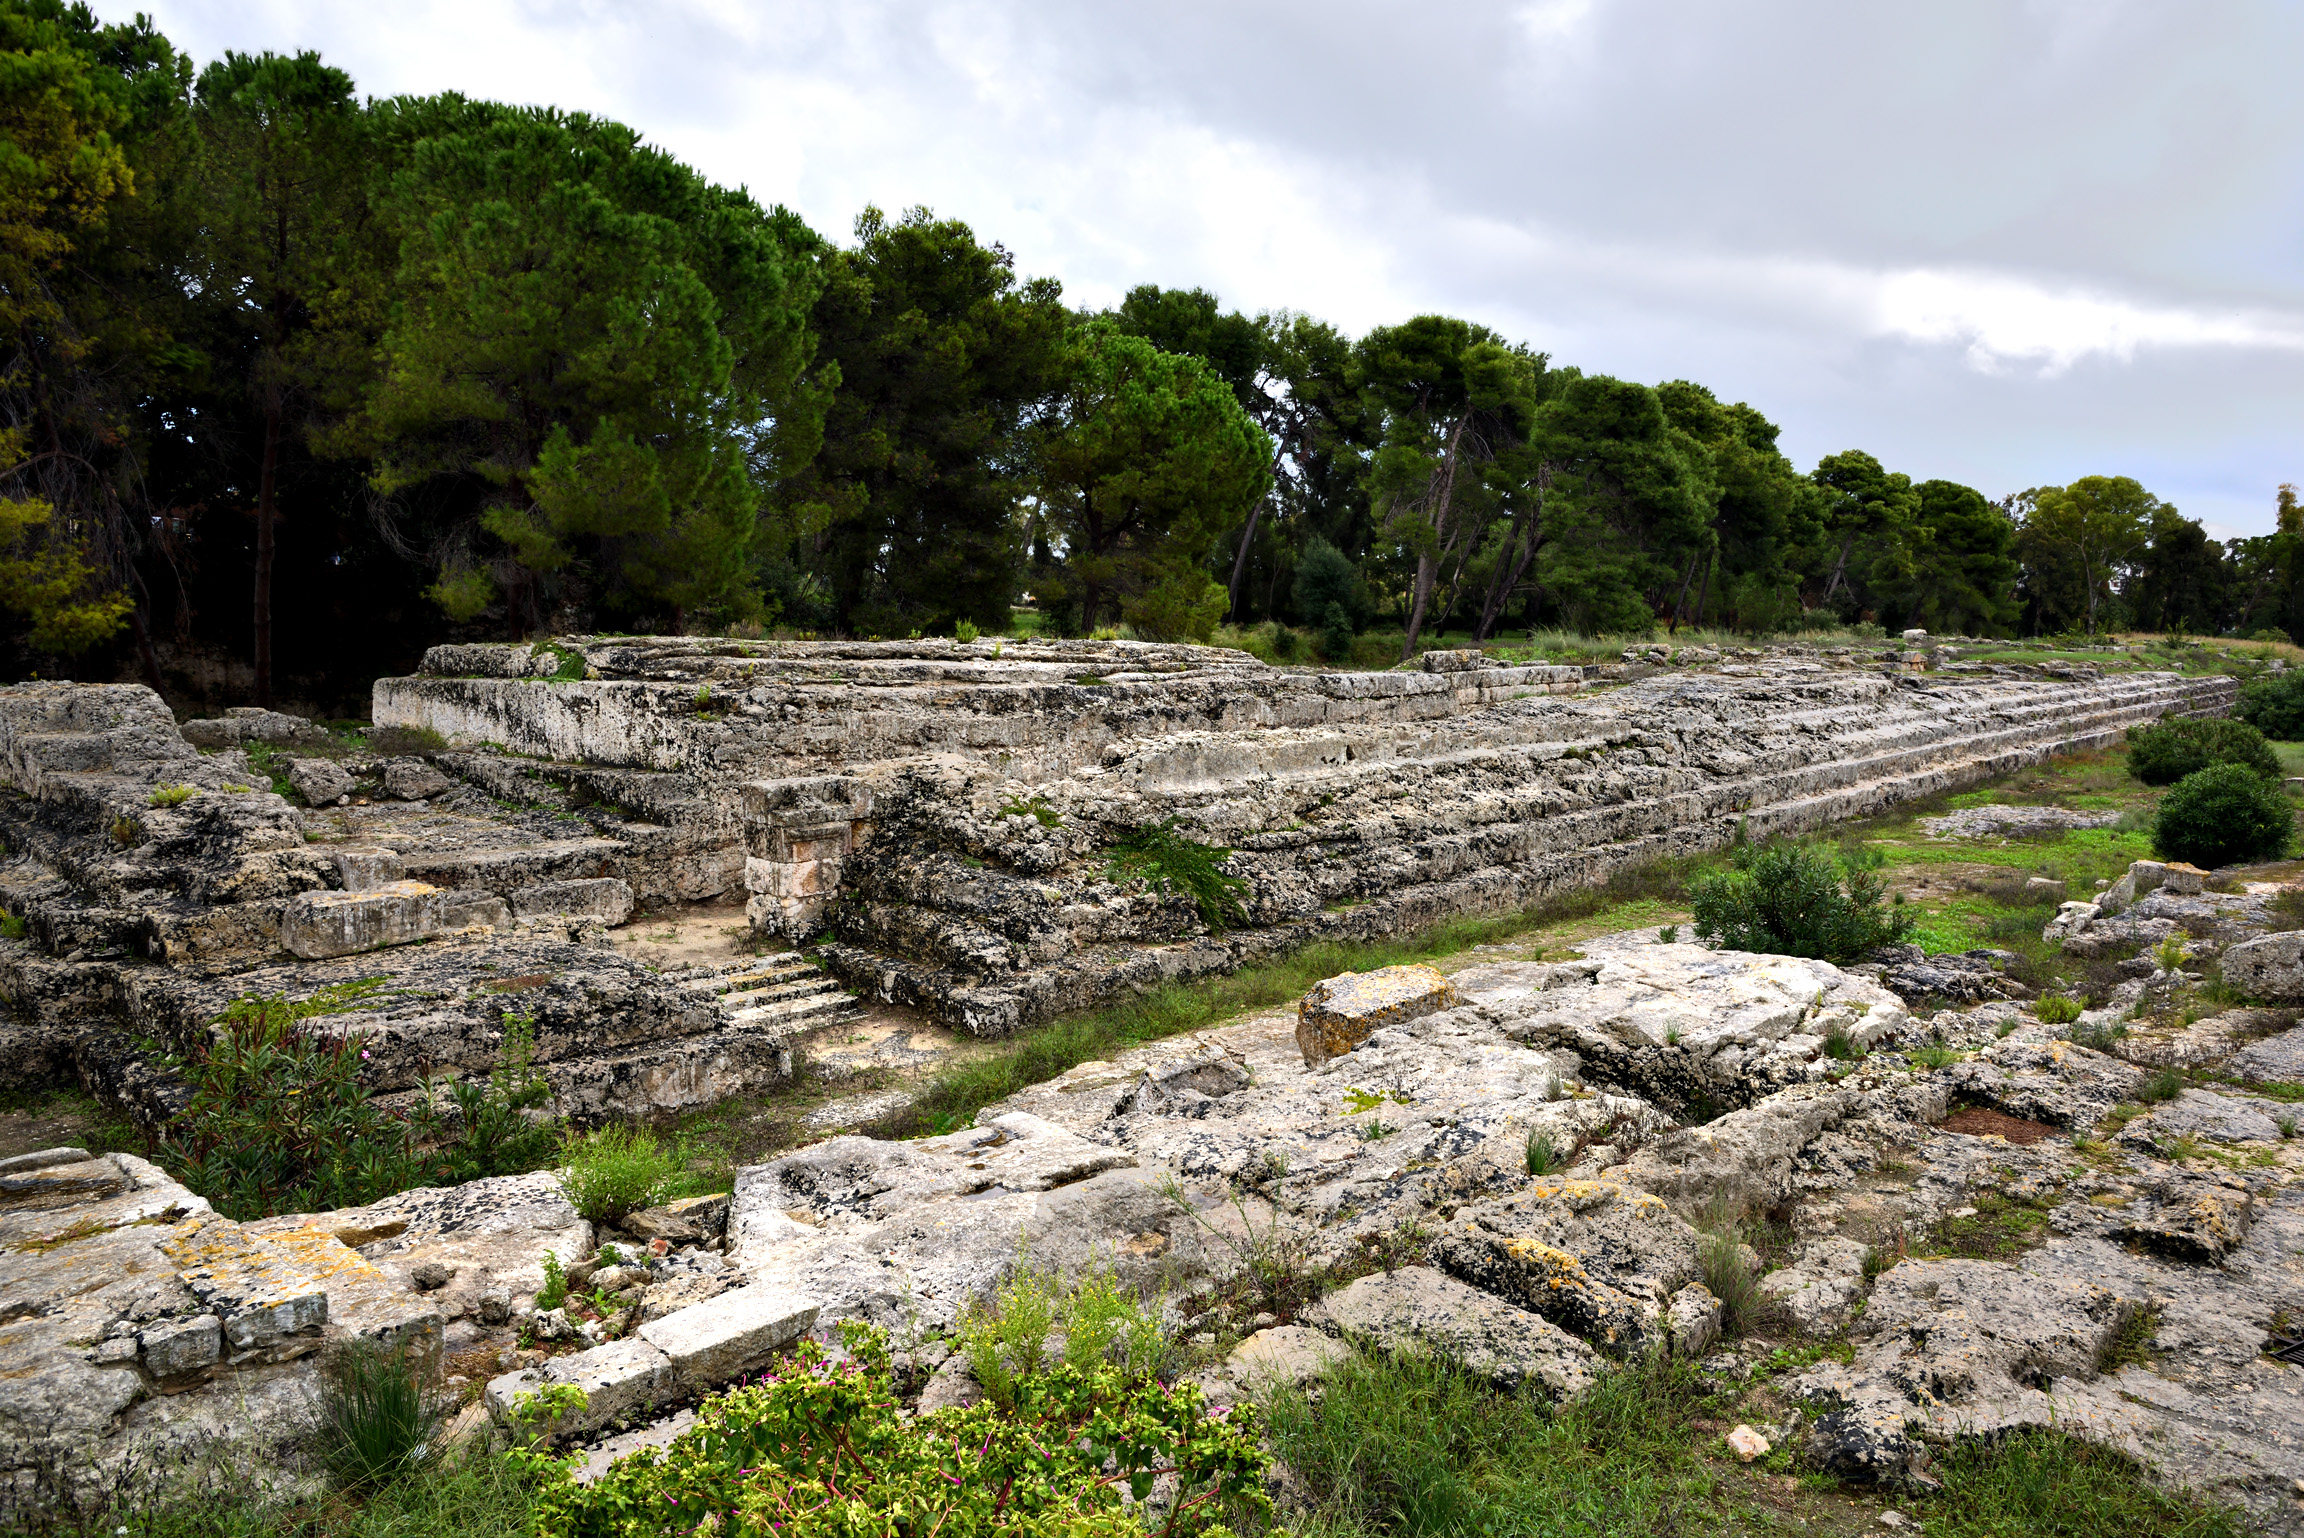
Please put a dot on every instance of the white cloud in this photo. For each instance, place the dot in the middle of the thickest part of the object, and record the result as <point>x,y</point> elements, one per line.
<point>1997,319</point>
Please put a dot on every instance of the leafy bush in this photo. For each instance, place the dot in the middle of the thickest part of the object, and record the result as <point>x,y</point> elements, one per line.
<point>376,1421</point>
<point>1331,597</point>
<point>965,632</point>
<point>613,1172</point>
<point>278,1121</point>
<point>1795,900</point>
<point>2057,1009</point>
<point>2223,814</point>
<point>1167,859</point>
<point>822,1449</point>
<point>2275,705</point>
<point>1006,1340</point>
<point>2167,751</point>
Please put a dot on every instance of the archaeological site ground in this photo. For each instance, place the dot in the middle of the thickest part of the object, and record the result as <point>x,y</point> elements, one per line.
<point>666,1084</point>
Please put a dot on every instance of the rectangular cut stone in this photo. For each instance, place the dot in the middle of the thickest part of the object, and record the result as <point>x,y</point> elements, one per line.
<point>368,870</point>
<point>261,1291</point>
<point>605,898</point>
<point>317,925</point>
<point>617,1378</point>
<point>1337,1015</point>
<point>722,1338</point>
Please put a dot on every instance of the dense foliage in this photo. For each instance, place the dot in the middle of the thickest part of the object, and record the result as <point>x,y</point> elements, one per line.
<point>2275,705</point>
<point>2167,751</point>
<point>277,1119</point>
<point>819,1448</point>
<point>2222,814</point>
<point>300,383</point>
<point>1791,899</point>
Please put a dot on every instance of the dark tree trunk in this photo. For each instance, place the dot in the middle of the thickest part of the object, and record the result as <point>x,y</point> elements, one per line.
<point>267,482</point>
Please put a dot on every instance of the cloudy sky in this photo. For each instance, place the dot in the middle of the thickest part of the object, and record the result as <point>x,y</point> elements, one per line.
<point>2005,243</point>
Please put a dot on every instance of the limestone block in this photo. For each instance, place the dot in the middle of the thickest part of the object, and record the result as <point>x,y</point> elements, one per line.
<point>179,1346</point>
<point>2194,1217</point>
<point>691,1220</point>
<point>2143,877</point>
<point>2270,967</point>
<point>473,910</point>
<point>1692,1319</point>
<point>259,1290</point>
<point>1821,1287</point>
<point>319,781</point>
<point>605,898</point>
<point>2207,1116</point>
<point>1338,1014</point>
<point>1287,1354</point>
<point>721,1339</point>
<point>317,925</point>
<point>367,869</point>
<point>42,1159</point>
<point>617,1379</point>
<point>2045,889</point>
<point>2182,879</point>
<point>412,779</point>
<point>60,1185</point>
<point>1418,1306</point>
<point>2275,1059</point>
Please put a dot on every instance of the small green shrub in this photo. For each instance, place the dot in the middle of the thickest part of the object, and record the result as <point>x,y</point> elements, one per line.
<point>376,1420</point>
<point>554,1292</point>
<point>403,741</point>
<point>2101,1036</point>
<point>2043,1483</point>
<point>824,1449</point>
<point>1934,1057</point>
<point>2057,1009</point>
<point>2167,1084</point>
<point>1167,859</point>
<point>2167,751</point>
<point>613,1172</point>
<point>1842,1047</point>
<point>1542,1152</point>
<point>13,926</point>
<point>2221,815</point>
<point>965,632</point>
<point>1794,900</point>
<point>2275,705</point>
<point>1669,934</point>
<point>170,795</point>
<point>1005,1340</point>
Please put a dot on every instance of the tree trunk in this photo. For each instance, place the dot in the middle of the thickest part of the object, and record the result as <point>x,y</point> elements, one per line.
<point>1428,566</point>
<point>144,653</point>
<point>266,487</point>
<point>1711,558</point>
<point>1680,602</point>
<point>1240,561</point>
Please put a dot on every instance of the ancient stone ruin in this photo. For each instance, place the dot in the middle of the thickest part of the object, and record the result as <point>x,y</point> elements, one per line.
<point>963,830</point>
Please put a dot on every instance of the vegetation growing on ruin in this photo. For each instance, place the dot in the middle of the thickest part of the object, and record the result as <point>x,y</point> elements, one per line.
<point>1164,858</point>
<point>277,1120</point>
<point>1794,899</point>
<point>614,1171</point>
<point>2223,814</point>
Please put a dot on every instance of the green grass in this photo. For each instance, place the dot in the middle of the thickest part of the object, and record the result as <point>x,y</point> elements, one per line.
<point>2038,1483</point>
<point>1411,1445</point>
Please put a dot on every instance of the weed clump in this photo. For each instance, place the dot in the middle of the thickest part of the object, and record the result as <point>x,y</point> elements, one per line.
<point>1796,900</point>
<point>613,1172</point>
<point>170,795</point>
<point>2221,815</point>
<point>376,1420</point>
<point>2167,751</point>
<point>2275,705</point>
<point>2057,1009</point>
<point>1178,865</point>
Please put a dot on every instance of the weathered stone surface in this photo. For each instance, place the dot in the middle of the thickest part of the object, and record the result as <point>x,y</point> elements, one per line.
<point>2269,968</point>
<point>620,1380</point>
<point>1598,1258</point>
<point>2191,1217</point>
<point>716,1341</point>
<point>412,779</point>
<point>1820,1288</point>
<point>1418,1307</point>
<point>175,1347</point>
<point>605,898</point>
<point>2209,1117</point>
<point>319,925</point>
<point>48,1185</point>
<point>1337,1015</point>
<point>1294,1355</point>
<point>2276,1059</point>
<point>319,781</point>
<point>690,1220</point>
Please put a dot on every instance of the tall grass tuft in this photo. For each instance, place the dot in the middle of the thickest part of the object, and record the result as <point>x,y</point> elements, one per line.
<point>613,1172</point>
<point>377,1422</point>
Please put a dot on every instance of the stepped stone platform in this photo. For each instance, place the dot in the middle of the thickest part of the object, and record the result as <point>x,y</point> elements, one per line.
<point>948,813</point>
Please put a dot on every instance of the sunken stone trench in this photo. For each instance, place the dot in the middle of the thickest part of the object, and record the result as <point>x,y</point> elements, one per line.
<point>948,813</point>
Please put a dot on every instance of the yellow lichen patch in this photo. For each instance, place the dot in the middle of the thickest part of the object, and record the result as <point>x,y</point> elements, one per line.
<point>1557,1267</point>
<point>325,1257</point>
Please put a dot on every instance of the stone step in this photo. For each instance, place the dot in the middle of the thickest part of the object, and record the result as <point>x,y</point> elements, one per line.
<point>816,1009</point>
<point>680,1356</point>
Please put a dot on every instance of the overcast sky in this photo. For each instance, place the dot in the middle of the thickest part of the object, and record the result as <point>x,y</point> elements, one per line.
<point>2008,244</point>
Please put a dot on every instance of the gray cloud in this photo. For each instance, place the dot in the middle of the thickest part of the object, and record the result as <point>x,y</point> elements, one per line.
<point>2003,243</point>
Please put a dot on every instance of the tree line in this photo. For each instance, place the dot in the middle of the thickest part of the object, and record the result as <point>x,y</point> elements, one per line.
<point>315,380</point>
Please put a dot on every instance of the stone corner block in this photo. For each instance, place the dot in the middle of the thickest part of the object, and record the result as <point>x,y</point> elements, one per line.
<point>1336,1015</point>
<point>722,1338</point>
<point>2269,967</point>
<point>617,1378</point>
<point>318,925</point>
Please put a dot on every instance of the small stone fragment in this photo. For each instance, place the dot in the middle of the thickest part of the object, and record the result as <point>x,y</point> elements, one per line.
<point>495,1305</point>
<point>1338,1014</point>
<point>1747,1444</point>
<point>432,1276</point>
